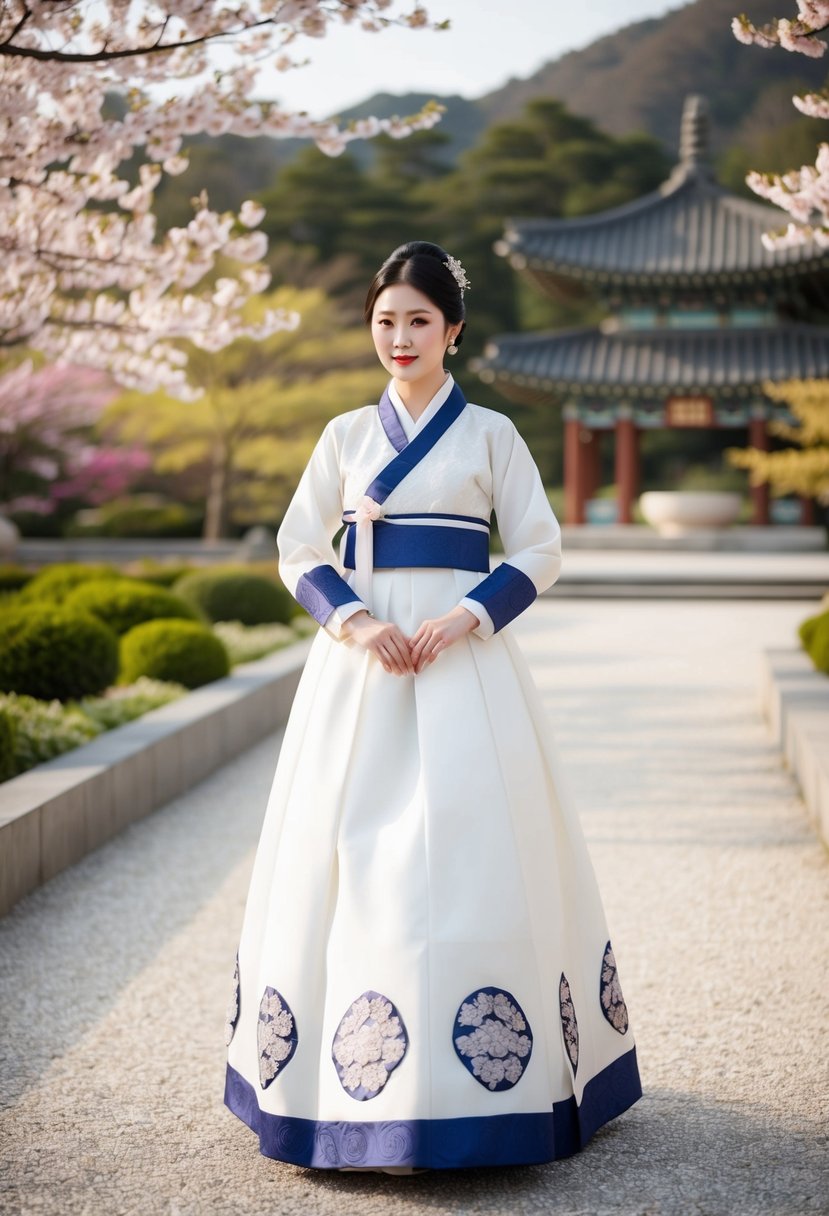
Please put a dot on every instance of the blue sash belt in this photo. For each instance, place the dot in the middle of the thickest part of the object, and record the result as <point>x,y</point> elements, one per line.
<point>414,541</point>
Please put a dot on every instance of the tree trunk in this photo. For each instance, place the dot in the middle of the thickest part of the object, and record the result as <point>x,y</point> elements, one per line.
<point>215,516</point>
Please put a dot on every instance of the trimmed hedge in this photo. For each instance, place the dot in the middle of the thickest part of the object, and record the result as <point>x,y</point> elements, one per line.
<point>8,746</point>
<point>124,603</point>
<point>232,594</point>
<point>52,652</point>
<point>182,651</point>
<point>814,634</point>
<point>137,515</point>
<point>53,584</point>
<point>13,577</point>
<point>160,574</point>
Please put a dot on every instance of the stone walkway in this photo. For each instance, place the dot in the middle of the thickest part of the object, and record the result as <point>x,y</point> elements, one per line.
<point>114,976</point>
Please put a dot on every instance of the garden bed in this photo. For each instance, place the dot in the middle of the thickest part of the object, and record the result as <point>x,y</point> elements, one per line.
<point>58,811</point>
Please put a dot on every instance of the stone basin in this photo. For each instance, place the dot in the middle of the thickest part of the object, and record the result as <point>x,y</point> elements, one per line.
<point>675,512</point>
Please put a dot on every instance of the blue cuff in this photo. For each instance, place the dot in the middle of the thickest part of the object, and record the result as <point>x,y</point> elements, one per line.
<point>322,590</point>
<point>504,593</point>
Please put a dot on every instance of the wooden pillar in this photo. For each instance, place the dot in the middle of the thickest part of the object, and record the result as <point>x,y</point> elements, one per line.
<point>758,437</point>
<point>575,472</point>
<point>592,456</point>
<point>807,510</point>
<point>627,468</point>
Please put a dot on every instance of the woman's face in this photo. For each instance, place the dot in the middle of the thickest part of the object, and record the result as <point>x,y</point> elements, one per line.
<point>410,332</point>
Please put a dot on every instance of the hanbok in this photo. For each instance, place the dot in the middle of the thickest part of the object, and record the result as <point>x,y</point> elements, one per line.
<point>424,975</point>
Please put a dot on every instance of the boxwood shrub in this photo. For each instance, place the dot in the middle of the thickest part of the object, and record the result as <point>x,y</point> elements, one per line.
<point>161,574</point>
<point>183,651</point>
<point>53,652</point>
<point>814,634</point>
<point>8,746</point>
<point>122,603</point>
<point>52,584</point>
<point>13,577</point>
<point>232,594</point>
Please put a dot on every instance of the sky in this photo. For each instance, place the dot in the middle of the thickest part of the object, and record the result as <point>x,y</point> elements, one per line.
<point>488,44</point>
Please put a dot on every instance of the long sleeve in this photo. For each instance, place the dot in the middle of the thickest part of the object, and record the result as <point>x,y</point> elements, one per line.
<point>308,565</point>
<point>530,533</point>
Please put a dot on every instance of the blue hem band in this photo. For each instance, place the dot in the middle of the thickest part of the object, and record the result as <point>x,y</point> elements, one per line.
<point>486,1140</point>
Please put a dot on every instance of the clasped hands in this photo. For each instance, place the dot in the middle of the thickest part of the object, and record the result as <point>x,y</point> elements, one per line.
<point>408,656</point>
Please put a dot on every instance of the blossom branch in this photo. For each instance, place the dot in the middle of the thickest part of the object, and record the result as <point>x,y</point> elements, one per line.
<point>88,284</point>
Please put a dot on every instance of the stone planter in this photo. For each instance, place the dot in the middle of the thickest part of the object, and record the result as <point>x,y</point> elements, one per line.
<point>675,512</point>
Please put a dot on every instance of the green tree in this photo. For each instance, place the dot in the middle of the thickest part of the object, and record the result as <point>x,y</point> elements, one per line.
<point>802,468</point>
<point>241,447</point>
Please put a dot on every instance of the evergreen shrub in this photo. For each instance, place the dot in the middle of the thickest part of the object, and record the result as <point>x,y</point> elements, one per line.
<point>182,651</point>
<point>233,594</point>
<point>8,740</point>
<point>55,653</point>
<point>161,574</point>
<point>816,640</point>
<point>806,630</point>
<point>141,515</point>
<point>52,584</point>
<point>13,577</point>
<point>122,603</point>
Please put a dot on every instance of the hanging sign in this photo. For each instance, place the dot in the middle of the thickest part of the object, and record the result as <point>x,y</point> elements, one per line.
<point>689,411</point>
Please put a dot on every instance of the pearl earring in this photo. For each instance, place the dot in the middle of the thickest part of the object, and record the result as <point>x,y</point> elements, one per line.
<point>452,350</point>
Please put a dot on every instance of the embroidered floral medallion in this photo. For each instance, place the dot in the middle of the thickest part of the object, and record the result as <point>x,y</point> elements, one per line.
<point>276,1035</point>
<point>569,1025</point>
<point>370,1042</point>
<point>232,1014</point>
<point>610,993</point>
<point>497,1048</point>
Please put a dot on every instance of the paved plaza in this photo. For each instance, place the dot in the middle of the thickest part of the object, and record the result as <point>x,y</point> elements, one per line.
<point>114,977</point>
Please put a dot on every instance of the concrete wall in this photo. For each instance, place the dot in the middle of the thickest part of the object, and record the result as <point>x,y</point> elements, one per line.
<point>795,698</point>
<point>57,812</point>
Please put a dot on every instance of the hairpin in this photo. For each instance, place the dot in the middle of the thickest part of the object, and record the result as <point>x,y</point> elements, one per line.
<point>458,273</point>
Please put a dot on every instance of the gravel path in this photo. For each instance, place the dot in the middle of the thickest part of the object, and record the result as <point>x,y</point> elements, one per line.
<point>115,975</point>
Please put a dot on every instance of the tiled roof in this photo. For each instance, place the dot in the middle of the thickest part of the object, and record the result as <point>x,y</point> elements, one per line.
<point>656,360</point>
<point>690,226</point>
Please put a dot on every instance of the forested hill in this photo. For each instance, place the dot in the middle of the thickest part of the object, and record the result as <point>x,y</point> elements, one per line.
<point>636,78</point>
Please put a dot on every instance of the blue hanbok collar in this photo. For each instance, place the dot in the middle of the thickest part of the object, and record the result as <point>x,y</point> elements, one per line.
<point>398,423</point>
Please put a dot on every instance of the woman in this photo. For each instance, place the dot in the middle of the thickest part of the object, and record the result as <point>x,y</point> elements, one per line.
<point>424,975</point>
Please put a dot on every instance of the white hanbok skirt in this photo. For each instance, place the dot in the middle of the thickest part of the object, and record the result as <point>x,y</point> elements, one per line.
<point>424,975</point>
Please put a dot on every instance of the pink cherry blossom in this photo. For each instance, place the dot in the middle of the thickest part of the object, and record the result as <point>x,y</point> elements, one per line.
<point>803,193</point>
<point>45,422</point>
<point>68,266</point>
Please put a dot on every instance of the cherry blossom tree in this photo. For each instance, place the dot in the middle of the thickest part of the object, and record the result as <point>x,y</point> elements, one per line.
<point>46,454</point>
<point>804,192</point>
<point>87,277</point>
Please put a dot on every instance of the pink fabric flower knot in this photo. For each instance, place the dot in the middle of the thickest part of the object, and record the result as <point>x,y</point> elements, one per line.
<point>367,508</point>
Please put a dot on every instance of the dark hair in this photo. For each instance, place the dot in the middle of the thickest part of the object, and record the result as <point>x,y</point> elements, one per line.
<point>421,265</point>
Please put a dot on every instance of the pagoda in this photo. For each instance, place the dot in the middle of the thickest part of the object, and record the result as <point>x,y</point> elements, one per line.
<point>700,314</point>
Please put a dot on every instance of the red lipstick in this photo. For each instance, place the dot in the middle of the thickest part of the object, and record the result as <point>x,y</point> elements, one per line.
<point>405,360</point>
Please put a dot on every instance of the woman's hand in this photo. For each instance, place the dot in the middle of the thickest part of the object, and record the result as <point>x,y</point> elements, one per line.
<point>433,636</point>
<point>386,641</point>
